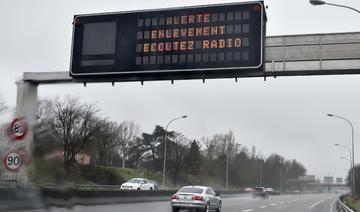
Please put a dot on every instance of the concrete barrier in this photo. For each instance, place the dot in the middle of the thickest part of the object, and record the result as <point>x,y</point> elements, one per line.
<point>78,197</point>
<point>15,199</point>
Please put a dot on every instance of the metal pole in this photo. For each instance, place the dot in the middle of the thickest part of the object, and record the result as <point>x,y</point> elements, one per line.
<point>353,159</point>
<point>280,179</point>
<point>321,2</point>
<point>338,5</point>
<point>227,171</point>
<point>164,165</point>
<point>344,158</point>
<point>352,177</point>
<point>165,142</point>
<point>352,149</point>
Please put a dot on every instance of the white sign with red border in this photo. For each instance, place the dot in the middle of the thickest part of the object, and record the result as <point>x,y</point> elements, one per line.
<point>14,159</point>
<point>18,129</point>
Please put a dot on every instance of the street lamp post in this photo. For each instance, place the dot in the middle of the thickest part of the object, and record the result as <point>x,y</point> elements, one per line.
<point>227,173</point>
<point>280,185</point>
<point>227,166</point>
<point>165,137</point>
<point>352,149</point>
<point>351,165</point>
<point>345,158</point>
<point>347,148</point>
<point>319,2</point>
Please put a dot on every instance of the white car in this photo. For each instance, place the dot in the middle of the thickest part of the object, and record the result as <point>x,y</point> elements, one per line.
<point>138,184</point>
<point>196,197</point>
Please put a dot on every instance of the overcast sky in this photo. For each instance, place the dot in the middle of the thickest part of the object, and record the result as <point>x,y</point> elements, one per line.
<point>286,115</point>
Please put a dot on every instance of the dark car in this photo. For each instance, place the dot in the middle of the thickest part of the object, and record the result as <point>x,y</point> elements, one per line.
<point>260,192</point>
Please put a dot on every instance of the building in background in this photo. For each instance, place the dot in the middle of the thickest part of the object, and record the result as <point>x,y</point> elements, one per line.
<point>339,180</point>
<point>328,180</point>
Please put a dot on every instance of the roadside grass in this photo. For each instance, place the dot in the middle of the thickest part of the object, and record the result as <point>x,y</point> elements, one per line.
<point>127,174</point>
<point>52,173</point>
<point>353,203</point>
<point>211,181</point>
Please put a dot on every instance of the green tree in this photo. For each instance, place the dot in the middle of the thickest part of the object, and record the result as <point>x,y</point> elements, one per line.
<point>176,154</point>
<point>193,159</point>
<point>357,179</point>
<point>154,147</point>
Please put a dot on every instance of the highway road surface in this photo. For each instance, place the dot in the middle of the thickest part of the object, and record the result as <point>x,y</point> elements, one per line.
<point>285,203</point>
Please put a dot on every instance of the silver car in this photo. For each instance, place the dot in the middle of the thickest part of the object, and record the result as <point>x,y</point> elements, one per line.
<point>196,197</point>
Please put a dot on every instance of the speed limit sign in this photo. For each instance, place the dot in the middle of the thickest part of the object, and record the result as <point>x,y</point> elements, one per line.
<point>17,129</point>
<point>15,159</point>
<point>12,161</point>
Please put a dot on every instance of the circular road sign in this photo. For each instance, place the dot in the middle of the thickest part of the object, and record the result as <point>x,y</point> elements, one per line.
<point>12,161</point>
<point>18,129</point>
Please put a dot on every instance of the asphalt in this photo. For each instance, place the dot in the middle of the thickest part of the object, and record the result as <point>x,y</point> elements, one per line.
<point>285,203</point>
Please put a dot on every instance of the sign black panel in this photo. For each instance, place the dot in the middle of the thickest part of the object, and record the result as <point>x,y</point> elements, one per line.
<point>185,43</point>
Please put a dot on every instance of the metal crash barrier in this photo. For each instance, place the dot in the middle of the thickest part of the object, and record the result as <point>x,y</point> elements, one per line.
<point>341,206</point>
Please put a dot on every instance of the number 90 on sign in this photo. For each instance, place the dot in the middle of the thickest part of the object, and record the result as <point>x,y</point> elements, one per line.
<point>12,161</point>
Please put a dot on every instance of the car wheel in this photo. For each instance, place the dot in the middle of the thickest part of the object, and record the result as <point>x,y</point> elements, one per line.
<point>151,189</point>
<point>207,207</point>
<point>138,189</point>
<point>175,209</point>
<point>218,209</point>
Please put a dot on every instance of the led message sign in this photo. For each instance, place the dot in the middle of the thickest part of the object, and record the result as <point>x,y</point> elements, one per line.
<point>186,43</point>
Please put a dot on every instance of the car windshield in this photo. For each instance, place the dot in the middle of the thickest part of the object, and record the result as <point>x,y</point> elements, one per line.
<point>191,190</point>
<point>179,105</point>
<point>134,181</point>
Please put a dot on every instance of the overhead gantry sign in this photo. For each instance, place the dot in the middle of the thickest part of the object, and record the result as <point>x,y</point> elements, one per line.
<point>183,43</point>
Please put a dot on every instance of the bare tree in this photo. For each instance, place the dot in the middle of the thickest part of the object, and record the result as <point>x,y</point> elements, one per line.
<point>106,142</point>
<point>74,124</point>
<point>128,133</point>
<point>220,144</point>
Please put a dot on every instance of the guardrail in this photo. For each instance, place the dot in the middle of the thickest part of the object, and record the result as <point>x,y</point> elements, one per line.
<point>75,196</point>
<point>341,206</point>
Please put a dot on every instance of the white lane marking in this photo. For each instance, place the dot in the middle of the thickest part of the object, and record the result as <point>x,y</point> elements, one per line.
<point>274,204</point>
<point>289,201</point>
<point>264,206</point>
<point>316,203</point>
<point>281,203</point>
<point>248,210</point>
<point>332,205</point>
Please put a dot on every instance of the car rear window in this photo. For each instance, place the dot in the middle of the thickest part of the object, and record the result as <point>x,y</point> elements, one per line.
<point>191,190</point>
